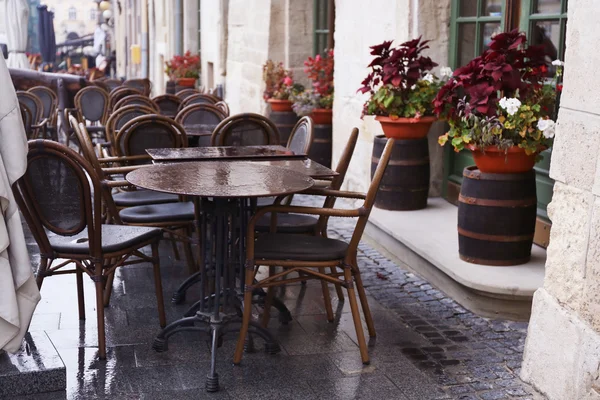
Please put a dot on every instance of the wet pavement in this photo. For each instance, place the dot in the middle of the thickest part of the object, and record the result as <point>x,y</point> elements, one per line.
<point>427,347</point>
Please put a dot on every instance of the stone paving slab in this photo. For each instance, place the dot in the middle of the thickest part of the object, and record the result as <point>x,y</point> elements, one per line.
<point>428,347</point>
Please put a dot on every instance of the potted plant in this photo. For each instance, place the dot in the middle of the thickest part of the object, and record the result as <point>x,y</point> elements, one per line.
<point>184,69</point>
<point>500,105</point>
<point>318,101</point>
<point>401,89</point>
<point>279,86</point>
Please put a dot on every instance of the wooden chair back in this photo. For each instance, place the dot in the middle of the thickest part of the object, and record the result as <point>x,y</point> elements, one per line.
<point>185,93</point>
<point>49,102</point>
<point>301,138</point>
<point>113,83</point>
<point>60,192</point>
<point>168,104</point>
<point>197,99</point>
<point>136,100</point>
<point>121,92</point>
<point>120,117</point>
<point>223,106</point>
<point>245,130</point>
<point>92,102</point>
<point>142,85</point>
<point>33,103</point>
<point>150,131</point>
<point>27,120</point>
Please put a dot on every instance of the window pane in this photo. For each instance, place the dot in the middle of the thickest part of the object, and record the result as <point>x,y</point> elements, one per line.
<point>546,34</point>
<point>466,43</point>
<point>468,8</point>
<point>487,31</point>
<point>492,8</point>
<point>546,6</point>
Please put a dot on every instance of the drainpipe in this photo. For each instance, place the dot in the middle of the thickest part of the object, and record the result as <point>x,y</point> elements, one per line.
<point>145,57</point>
<point>179,27</point>
<point>224,11</point>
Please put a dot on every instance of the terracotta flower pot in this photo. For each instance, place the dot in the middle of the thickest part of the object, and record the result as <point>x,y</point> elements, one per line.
<point>186,82</point>
<point>280,105</point>
<point>322,116</point>
<point>496,161</point>
<point>405,128</point>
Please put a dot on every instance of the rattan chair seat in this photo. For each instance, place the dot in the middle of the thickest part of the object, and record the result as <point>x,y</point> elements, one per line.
<point>287,246</point>
<point>142,198</point>
<point>156,213</point>
<point>288,223</point>
<point>114,238</point>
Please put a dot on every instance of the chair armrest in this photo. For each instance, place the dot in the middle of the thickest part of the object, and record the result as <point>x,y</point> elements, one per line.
<point>327,212</point>
<point>114,184</point>
<point>335,193</point>
<point>122,170</point>
<point>107,160</point>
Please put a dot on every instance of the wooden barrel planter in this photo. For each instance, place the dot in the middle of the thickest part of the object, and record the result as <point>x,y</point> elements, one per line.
<point>405,184</point>
<point>320,151</point>
<point>285,121</point>
<point>496,217</point>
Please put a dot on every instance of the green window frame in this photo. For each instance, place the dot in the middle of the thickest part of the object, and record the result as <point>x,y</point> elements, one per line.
<point>323,13</point>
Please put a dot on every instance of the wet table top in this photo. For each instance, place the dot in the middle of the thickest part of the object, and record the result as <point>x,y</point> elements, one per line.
<point>222,179</point>
<point>222,153</point>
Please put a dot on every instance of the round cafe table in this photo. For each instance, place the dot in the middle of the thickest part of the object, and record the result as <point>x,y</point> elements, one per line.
<point>230,186</point>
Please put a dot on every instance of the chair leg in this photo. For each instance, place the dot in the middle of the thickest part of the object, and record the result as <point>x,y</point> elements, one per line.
<point>175,249</point>
<point>158,286</point>
<point>41,272</point>
<point>268,301</point>
<point>80,296</point>
<point>338,288</point>
<point>360,335</point>
<point>239,349</point>
<point>98,280</point>
<point>326,296</point>
<point>108,289</point>
<point>364,303</point>
<point>187,250</point>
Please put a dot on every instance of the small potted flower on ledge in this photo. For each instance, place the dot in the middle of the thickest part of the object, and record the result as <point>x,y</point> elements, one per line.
<point>499,105</point>
<point>318,102</point>
<point>279,86</point>
<point>401,89</point>
<point>185,69</point>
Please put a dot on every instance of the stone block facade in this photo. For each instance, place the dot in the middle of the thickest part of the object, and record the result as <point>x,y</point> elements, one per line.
<point>562,354</point>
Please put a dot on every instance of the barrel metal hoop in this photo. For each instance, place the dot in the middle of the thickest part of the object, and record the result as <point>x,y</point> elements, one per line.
<point>494,238</point>
<point>532,201</point>
<point>420,161</point>
<point>317,140</point>
<point>499,263</point>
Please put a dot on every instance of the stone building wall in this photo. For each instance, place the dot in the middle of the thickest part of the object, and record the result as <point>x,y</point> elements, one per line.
<point>562,353</point>
<point>399,20</point>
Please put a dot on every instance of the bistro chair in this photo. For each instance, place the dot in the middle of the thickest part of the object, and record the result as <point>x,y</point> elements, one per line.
<point>101,84</point>
<point>49,106</point>
<point>142,85</point>
<point>200,116</point>
<point>185,93</point>
<point>92,107</point>
<point>245,130</point>
<point>310,255</point>
<point>149,132</point>
<point>119,93</point>
<point>27,119</point>
<point>223,106</point>
<point>36,108</point>
<point>136,100</point>
<point>113,83</point>
<point>60,197</point>
<point>119,118</point>
<point>168,104</point>
<point>197,99</point>
<point>148,208</point>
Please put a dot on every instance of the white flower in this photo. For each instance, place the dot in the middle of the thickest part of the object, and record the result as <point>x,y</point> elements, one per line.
<point>558,63</point>
<point>546,126</point>
<point>445,72</point>
<point>413,87</point>
<point>510,105</point>
<point>428,78</point>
